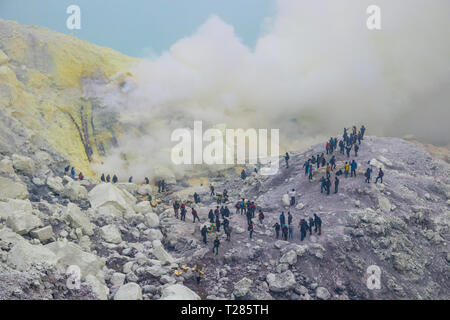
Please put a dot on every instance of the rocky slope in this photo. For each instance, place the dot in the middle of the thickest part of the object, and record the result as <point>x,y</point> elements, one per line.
<point>129,248</point>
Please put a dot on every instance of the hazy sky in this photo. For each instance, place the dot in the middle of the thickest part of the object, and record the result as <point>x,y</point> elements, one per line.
<point>137,27</point>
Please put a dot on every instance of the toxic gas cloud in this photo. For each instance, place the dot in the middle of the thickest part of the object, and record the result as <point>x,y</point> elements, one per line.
<point>315,69</point>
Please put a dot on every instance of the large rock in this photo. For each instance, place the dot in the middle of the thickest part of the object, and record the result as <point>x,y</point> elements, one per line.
<point>10,189</point>
<point>129,187</point>
<point>6,166</point>
<point>106,194</point>
<point>110,233</point>
<point>281,282</point>
<point>145,190</point>
<point>289,257</point>
<point>152,220</point>
<point>55,184</point>
<point>155,234</point>
<point>9,237</point>
<point>23,164</point>
<point>143,207</point>
<point>14,206</point>
<point>23,222</point>
<point>23,255</point>
<point>43,234</point>
<point>384,203</point>
<point>178,292</point>
<point>98,287</point>
<point>3,58</point>
<point>78,219</point>
<point>75,191</point>
<point>161,254</point>
<point>129,291</point>
<point>69,253</point>
<point>242,287</point>
<point>322,293</point>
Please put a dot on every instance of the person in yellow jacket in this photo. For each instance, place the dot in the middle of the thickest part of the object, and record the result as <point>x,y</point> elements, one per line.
<point>346,168</point>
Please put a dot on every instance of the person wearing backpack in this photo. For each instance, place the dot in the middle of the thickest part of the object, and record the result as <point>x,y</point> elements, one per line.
<point>216,245</point>
<point>204,233</point>
<point>353,166</point>
<point>277,229</point>
<point>380,176</point>
<point>261,217</point>
<point>195,215</point>
<point>250,229</point>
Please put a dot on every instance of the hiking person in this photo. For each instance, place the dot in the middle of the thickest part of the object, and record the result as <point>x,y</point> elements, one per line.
<point>216,245</point>
<point>219,198</point>
<point>356,150</point>
<point>183,212</point>
<point>195,215</point>
<point>277,229</point>
<point>319,160</point>
<point>341,147</point>
<point>286,158</point>
<point>226,212</point>
<point>249,217</point>
<point>310,225</point>
<point>346,168</point>
<point>328,170</point>
<point>282,218</point>
<point>204,233</point>
<point>291,231</point>
<point>242,206</point>
<point>211,187</point>
<point>228,232</point>
<point>380,176</point>
<point>211,216</point>
<point>261,217</point>
<point>306,166</point>
<point>310,175</point>
<point>108,178</point>
<point>289,218</point>
<point>292,196</point>
<point>367,174</point>
<point>353,166</point>
<point>130,179</point>
<point>80,176</point>
<point>285,231</point>
<point>322,184</point>
<point>102,178</point>
<point>250,229</point>
<point>324,162</point>
<point>196,198</point>
<point>66,170</point>
<point>318,224</point>
<point>363,130</point>
<point>333,162</point>
<point>159,186</point>
<point>176,207</point>
<point>243,174</point>
<point>218,223</point>
<point>238,207</point>
<point>303,227</point>
<point>72,173</point>
<point>225,195</point>
<point>347,150</point>
<point>328,186</point>
<point>336,185</point>
<point>146,180</point>
<point>115,179</point>
<point>163,186</point>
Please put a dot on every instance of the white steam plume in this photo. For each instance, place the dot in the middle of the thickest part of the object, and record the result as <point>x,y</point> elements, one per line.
<point>316,69</point>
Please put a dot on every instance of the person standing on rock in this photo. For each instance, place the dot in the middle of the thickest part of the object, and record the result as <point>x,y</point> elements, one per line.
<point>163,186</point>
<point>328,170</point>
<point>108,178</point>
<point>356,150</point>
<point>282,218</point>
<point>363,130</point>
<point>285,232</point>
<point>310,225</point>
<point>346,169</point>
<point>80,176</point>
<point>328,186</point>
<point>72,173</point>
<point>380,176</point>
<point>130,179</point>
<point>115,179</point>
<point>303,227</point>
<point>306,166</point>
<point>146,180</point>
<point>336,185</point>
<point>243,174</point>
<point>196,198</point>
<point>211,187</point>
<point>310,171</point>
<point>216,245</point>
<point>277,229</point>
<point>289,218</point>
<point>261,217</point>
<point>183,212</point>
<point>318,224</point>
<point>66,170</point>
<point>195,215</point>
<point>159,186</point>
<point>291,231</point>
<point>292,196</point>
<point>286,158</point>
<point>218,223</point>
<point>204,233</point>
<point>348,149</point>
<point>228,232</point>
<point>226,212</point>
<point>367,174</point>
<point>353,166</point>
<point>249,217</point>
<point>322,184</point>
<point>211,216</point>
<point>250,229</point>
<point>176,207</point>
<point>102,178</point>
<point>333,162</point>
